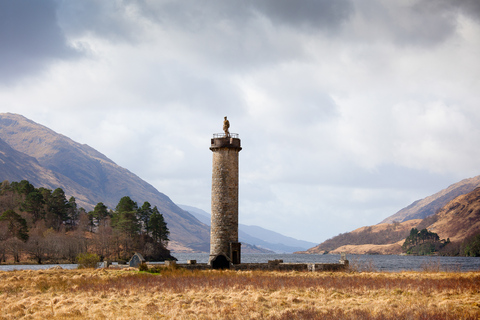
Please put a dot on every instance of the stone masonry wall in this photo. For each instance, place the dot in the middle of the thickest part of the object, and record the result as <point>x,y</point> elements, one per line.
<point>224,226</point>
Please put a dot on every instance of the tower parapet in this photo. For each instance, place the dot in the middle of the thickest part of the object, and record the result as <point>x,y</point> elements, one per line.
<point>220,140</point>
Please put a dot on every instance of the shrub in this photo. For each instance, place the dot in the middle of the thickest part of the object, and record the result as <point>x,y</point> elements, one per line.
<point>143,267</point>
<point>88,260</point>
<point>472,246</point>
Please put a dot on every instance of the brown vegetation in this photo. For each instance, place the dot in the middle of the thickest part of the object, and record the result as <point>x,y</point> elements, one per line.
<point>459,219</point>
<point>428,206</point>
<point>386,238</point>
<point>182,294</point>
<point>457,224</point>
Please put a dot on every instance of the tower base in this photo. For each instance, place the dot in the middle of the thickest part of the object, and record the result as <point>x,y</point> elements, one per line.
<point>219,261</point>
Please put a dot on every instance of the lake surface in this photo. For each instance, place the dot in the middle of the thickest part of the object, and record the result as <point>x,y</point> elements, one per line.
<point>387,263</point>
<point>10,267</point>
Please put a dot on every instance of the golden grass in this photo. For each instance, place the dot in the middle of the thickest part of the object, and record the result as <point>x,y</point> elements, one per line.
<point>182,294</point>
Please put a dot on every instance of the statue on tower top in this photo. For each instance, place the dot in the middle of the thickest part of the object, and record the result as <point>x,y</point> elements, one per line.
<point>226,125</point>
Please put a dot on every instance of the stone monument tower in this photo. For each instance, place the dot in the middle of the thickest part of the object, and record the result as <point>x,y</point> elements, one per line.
<point>224,245</point>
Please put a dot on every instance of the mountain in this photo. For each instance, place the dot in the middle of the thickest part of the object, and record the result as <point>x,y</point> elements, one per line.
<point>36,153</point>
<point>451,213</point>
<point>382,238</point>
<point>430,205</point>
<point>257,236</point>
<point>459,219</point>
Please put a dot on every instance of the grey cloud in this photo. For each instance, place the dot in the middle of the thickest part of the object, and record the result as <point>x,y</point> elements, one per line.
<point>30,38</point>
<point>239,35</point>
<point>422,23</point>
<point>112,20</point>
<point>218,28</point>
<point>469,8</point>
<point>194,15</point>
<point>324,14</point>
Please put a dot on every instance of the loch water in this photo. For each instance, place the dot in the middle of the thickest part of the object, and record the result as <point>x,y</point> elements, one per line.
<point>382,263</point>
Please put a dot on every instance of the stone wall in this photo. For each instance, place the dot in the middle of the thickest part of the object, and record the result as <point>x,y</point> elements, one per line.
<point>224,226</point>
<point>317,267</point>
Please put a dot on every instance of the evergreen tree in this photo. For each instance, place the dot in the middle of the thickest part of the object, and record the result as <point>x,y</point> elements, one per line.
<point>421,242</point>
<point>144,214</point>
<point>158,227</point>
<point>100,213</point>
<point>125,217</point>
<point>126,225</point>
<point>17,226</point>
<point>23,187</point>
<point>57,206</point>
<point>34,204</point>
<point>72,212</point>
<point>126,204</point>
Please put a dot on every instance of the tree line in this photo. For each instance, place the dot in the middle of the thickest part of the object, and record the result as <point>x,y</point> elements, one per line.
<point>42,225</point>
<point>425,242</point>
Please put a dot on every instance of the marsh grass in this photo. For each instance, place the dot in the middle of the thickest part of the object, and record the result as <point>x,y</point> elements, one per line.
<point>184,294</point>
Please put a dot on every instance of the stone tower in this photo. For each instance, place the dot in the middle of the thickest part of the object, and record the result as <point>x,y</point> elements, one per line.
<point>224,245</point>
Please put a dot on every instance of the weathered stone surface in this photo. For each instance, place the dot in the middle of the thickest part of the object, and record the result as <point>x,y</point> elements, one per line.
<point>224,226</point>
<point>314,267</point>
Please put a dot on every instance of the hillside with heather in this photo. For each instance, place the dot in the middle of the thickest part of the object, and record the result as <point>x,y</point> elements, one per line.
<point>385,238</point>
<point>458,221</point>
<point>30,151</point>
<point>428,206</point>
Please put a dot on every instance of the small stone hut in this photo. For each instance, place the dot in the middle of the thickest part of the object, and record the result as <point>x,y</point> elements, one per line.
<point>136,260</point>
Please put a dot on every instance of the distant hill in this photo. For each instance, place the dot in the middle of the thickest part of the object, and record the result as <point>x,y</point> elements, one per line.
<point>257,236</point>
<point>451,213</point>
<point>430,205</point>
<point>385,238</point>
<point>36,153</point>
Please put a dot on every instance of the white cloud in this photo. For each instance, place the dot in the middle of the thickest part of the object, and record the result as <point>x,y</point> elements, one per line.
<point>347,111</point>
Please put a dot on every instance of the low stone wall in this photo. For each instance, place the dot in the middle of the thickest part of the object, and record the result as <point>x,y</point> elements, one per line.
<point>273,266</point>
<point>291,266</point>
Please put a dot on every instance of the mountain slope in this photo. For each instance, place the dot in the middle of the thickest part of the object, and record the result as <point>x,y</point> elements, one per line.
<point>457,218</point>
<point>88,175</point>
<point>382,238</point>
<point>430,205</point>
<point>17,166</point>
<point>257,236</point>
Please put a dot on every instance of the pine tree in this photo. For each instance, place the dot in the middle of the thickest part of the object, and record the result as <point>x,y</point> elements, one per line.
<point>17,226</point>
<point>158,227</point>
<point>144,214</point>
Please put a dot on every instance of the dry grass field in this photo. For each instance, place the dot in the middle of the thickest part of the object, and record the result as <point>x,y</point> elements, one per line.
<point>182,294</point>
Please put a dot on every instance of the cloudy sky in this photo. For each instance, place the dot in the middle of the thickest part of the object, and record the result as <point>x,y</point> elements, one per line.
<point>348,111</point>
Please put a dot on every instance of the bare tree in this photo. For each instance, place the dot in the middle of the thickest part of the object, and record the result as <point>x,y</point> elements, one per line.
<point>35,246</point>
<point>15,247</point>
<point>3,238</point>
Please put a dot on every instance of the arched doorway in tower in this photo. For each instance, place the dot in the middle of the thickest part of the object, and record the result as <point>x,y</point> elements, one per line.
<point>220,262</point>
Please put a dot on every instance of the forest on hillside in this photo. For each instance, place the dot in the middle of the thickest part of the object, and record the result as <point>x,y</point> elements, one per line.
<point>41,225</point>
